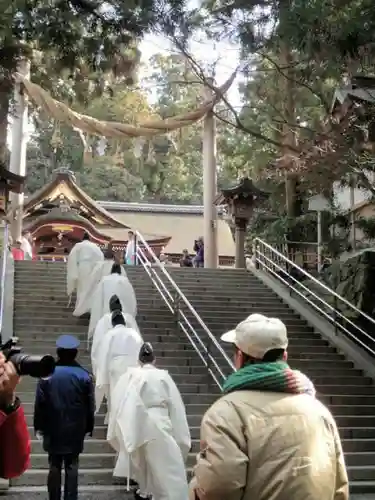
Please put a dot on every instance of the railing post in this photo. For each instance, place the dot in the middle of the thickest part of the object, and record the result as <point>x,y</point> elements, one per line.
<point>208,354</point>
<point>136,249</point>
<point>176,308</point>
<point>255,246</point>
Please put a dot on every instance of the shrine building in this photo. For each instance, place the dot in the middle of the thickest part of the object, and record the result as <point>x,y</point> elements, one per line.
<point>59,214</point>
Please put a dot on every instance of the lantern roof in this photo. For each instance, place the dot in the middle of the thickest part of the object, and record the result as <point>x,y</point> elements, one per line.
<point>245,190</point>
<point>14,182</point>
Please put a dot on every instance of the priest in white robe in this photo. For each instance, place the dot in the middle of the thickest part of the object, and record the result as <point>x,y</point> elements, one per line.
<point>131,251</point>
<point>101,269</point>
<point>148,420</point>
<point>114,284</point>
<point>81,262</point>
<point>26,246</point>
<point>119,352</point>
<point>105,325</point>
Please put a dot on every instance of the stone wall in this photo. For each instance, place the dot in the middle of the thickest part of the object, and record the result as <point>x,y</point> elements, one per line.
<point>353,278</point>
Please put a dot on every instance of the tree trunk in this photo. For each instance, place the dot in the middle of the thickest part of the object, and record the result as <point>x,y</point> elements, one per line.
<point>288,132</point>
<point>5,96</point>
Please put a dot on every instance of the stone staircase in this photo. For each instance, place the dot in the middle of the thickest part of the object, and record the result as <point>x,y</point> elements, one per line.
<point>222,298</point>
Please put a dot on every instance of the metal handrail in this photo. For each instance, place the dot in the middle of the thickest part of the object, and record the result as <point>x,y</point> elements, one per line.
<point>269,263</point>
<point>3,275</point>
<point>198,344</point>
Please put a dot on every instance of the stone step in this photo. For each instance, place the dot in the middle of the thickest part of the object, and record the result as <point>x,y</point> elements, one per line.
<point>206,311</point>
<point>316,344</point>
<point>345,400</point>
<point>94,477</point>
<point>357,432</point>
<point>225,324</point>
<point>353,410</point>
<point>362,458</point>
<point>197,389</point>
<point>100,431</point>
<point>303,365</point>
<point>87,460</point>
<point>179,350</point>
<point>193,402</point>
<point>103,492</point>
<point>41,313</point>
<point>48,293</point>
<point>91,446</point>
<point>23,300</point>
<point>99,419</point>
<point>38,477</point>
<point>39,317</point>
<point>57,280</point>
<point>23,304</point>
<point>360,473</point>
<point>350,446</point>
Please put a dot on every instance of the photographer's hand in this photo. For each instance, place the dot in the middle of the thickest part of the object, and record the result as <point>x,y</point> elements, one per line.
<point>8,382</point>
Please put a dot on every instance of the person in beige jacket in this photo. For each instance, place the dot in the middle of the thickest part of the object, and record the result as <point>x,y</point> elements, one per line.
<point>267,437</point>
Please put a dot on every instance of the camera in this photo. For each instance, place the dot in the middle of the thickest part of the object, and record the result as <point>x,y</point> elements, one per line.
<point>28,364</point>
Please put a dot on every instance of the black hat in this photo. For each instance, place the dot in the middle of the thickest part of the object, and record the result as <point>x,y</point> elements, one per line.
<point>115,304</point>
<point>118,318</point>
<point>146,354</point>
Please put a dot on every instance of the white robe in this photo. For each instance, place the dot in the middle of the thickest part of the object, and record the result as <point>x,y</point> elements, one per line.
<point>81,262</point>
<point>148,421</point>
<point>119,343</point>
<point>100,270</point>
<point>103,326</point>
<point>26,248</point>
<point>130,253</point>
<point>114,284</point>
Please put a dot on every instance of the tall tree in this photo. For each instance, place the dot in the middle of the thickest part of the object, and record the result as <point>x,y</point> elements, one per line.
<point>81,40</point>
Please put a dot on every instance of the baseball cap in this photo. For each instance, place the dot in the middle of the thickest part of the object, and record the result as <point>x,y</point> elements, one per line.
<point>67,342</point>
<point>258,334</point>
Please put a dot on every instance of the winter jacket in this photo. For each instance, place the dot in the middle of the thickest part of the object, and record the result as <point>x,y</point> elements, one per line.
<point>64,409</point>
<point>14,444</point>
<point>270,446</point>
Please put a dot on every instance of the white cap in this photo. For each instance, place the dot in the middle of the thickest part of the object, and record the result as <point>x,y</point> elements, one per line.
<point>257,334</point>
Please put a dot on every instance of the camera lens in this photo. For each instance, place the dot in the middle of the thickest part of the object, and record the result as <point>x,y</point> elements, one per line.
<point>33,366</point>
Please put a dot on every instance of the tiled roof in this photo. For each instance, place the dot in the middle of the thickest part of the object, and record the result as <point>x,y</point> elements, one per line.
<point>120,206</point>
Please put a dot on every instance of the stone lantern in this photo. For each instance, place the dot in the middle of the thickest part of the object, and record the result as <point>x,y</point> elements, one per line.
<point>240,201</point>
<point>9,183</point>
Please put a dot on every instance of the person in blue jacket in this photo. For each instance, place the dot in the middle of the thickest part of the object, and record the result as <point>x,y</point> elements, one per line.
<point>63,415</point>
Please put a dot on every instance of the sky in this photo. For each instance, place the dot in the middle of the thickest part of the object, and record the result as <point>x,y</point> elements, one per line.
<point>205,52</point>
<point>225,55</point>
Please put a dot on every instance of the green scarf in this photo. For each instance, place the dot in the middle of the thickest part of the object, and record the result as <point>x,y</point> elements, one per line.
<point>275,377</point>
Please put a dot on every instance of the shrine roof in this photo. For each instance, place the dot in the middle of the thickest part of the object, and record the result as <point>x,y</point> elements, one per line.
<point>360,88</point>
<point>64,184</point>
<point>118,234</point>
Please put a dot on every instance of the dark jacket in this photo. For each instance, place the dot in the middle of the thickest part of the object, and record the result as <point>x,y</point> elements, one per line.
<point>14,444</point>
<point>64,409</point>
<point>200,254</point>
<point>186,261</point>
